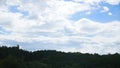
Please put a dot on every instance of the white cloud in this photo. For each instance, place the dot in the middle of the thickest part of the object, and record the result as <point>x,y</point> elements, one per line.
<point>89,1</point>
<point>86,26</point>
<point>110,13</point>
<point>13,2</point>
<point>105,9</point>
<point>48,22</point>
<point>93,2</point>
<point>2,6</point>
<point>101,36</point>
<point>113,2</point>
<point>89,12</point>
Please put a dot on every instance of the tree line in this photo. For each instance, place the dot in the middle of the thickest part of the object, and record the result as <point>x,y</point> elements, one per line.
<point>14,57</point>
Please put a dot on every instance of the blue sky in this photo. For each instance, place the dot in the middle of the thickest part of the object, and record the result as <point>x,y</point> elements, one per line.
<point>96,15</point>
<point>87,26</point>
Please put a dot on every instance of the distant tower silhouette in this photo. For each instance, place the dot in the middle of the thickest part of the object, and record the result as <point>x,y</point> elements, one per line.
<point>17,46</point>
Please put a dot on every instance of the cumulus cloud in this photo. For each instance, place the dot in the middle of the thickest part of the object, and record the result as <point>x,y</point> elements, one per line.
<point>105,9</point>
<point>112,2</point>
<point>88,1</point>
<point>98,36</point>
<point>110,13</point>
<point>48,22</point>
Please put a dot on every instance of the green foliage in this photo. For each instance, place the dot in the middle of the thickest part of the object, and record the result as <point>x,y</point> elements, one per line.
<point>13,57</point>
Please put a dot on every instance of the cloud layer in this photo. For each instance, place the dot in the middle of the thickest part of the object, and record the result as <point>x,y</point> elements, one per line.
<point>47,22</point>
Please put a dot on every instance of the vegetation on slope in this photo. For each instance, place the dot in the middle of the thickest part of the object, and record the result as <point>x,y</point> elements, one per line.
<point>13,57</point>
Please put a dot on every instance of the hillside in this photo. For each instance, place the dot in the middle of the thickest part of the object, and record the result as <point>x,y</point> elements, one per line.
<point>13,57</point>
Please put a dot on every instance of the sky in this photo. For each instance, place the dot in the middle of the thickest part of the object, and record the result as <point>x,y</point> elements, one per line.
<point>86,26</point>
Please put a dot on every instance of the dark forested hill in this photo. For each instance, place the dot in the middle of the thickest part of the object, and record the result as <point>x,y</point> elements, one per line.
<point>13,57</point>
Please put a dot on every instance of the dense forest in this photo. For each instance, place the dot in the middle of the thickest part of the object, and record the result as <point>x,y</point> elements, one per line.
<point>14,57</point>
